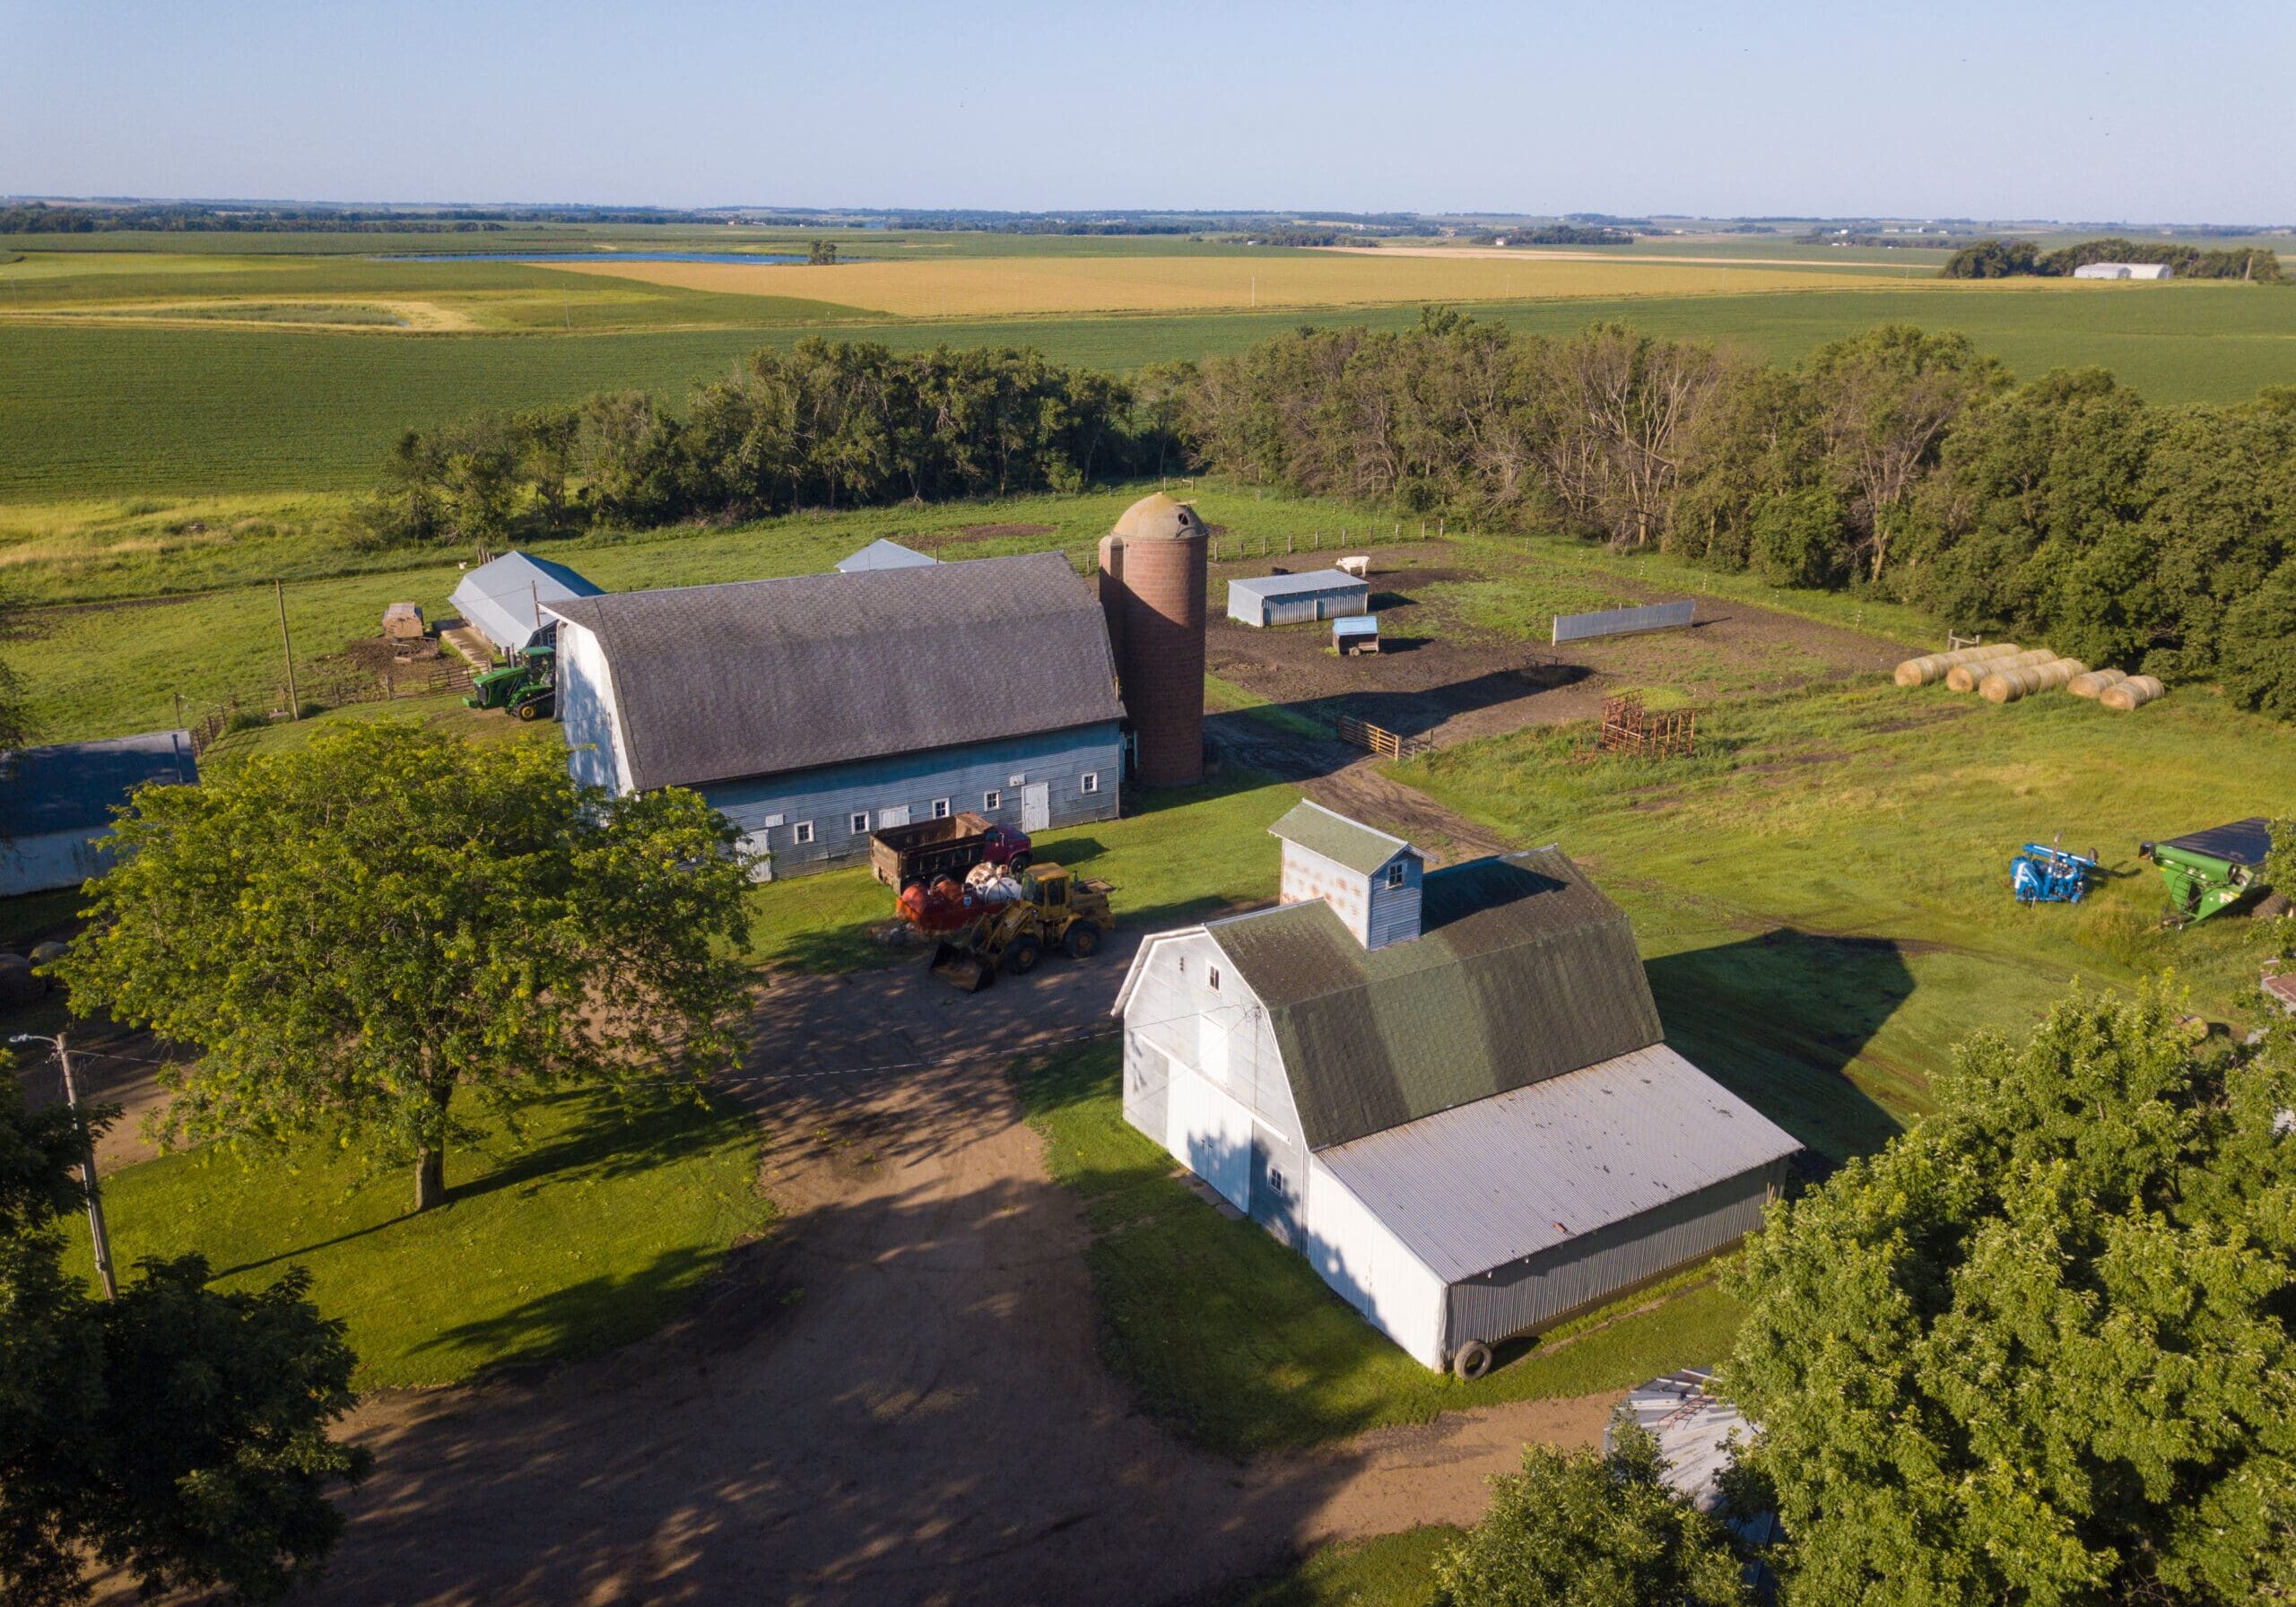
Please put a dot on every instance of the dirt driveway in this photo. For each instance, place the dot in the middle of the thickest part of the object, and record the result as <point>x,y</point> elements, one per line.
<point>895,1400</point>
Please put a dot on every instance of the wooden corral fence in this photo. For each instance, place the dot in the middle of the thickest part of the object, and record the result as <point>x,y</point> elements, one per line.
<point>330,689</point>
<point>1379,740</point>
<point>1630,728</point>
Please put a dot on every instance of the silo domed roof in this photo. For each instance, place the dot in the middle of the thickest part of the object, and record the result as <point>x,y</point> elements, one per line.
<point>1157,518</point>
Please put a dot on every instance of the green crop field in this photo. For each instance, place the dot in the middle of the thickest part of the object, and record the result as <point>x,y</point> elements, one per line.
<point>186,366</point>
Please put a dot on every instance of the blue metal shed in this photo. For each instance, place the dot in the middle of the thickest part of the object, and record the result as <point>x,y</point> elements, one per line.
<point>1298,599</point>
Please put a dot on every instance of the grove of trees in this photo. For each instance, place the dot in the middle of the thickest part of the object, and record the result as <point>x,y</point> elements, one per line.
<point>178,1432</point>
<point>1993,258</point>
<point>363,937</point>
<point>2035,1352</point>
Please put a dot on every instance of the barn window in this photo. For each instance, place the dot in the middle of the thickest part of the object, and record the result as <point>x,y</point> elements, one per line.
<point>802,832</point>
<point>861,823</point>
<point>1276,1178</point>
<point>940,809</point>
<point>1212,979</point>
<point>992,800</point>
<point>1395,875</point>
<point>1091,781</point>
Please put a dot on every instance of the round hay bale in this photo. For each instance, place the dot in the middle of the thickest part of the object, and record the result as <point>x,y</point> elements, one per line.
<point>18,985</point>
<point>2002,686</point>
<point>1934,666</point>
<point>1969,676</point>
<point>2095,682</point>
<point>2134,692</point>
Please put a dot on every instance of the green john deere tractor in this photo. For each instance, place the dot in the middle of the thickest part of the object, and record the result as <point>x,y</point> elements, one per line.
<point>526,686</point>
<point>2213,870</point>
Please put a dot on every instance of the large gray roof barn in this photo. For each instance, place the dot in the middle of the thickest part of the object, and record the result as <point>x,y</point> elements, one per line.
<point>1450,1089</point>
<point>806,704</point>
<point>56,804</point>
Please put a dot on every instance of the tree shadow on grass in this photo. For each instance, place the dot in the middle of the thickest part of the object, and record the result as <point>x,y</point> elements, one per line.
<point>1779,1020</point>
<point>580,1319</point>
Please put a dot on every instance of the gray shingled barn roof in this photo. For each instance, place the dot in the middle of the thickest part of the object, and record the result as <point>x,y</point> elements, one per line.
<point>1350,843</point>
<point>758,677</point>
<point>1523,971</point>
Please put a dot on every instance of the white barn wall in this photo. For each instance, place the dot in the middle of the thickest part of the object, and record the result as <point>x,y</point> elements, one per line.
<point>1369,1267</point>
<point>39,864</point>
<point>594,755</point>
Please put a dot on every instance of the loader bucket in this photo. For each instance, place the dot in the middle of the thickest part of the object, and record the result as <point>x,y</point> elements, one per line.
<point>960,968</point>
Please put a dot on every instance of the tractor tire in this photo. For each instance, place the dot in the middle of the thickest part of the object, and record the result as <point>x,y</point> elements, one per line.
<point>1021,957</point>
<point>1471,1361</point>
<point>1083,942</point>
<point>533,709</point>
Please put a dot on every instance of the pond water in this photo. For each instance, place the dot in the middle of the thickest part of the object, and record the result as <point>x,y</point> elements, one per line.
<point>548,257</point>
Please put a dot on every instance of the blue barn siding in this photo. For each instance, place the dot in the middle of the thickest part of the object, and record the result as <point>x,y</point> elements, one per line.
<point>830,797</point>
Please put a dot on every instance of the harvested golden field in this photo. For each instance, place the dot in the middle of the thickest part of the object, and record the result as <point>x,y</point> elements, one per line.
<point>995,288</point>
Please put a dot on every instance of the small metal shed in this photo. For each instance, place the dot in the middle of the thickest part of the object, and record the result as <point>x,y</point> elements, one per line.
<point>1298,599</point>
<point>1360,633</point>
<point>882,555</point>
<point>506,599</point>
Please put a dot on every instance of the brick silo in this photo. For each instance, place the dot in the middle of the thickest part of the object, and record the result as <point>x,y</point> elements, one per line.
<point>1152,587</point>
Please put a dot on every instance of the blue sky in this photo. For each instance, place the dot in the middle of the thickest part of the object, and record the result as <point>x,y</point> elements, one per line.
<point>2108,109</point>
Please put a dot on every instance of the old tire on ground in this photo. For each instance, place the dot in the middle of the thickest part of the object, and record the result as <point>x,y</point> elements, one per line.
<point>1083,942</point>
<point>1471,1361</point>
<point>1021,957</point>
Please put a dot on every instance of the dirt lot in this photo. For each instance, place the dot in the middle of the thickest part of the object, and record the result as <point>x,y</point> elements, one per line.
<point>1464,650</point>
<point>897,1399</point>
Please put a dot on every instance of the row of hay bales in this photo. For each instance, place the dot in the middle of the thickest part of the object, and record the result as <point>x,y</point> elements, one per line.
<point>2003,672</point>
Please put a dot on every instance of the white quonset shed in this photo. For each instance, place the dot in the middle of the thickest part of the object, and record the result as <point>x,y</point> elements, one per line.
<point>1448,1089</point>
<point>2123,269</point>
<point>509,599</point>
<point>56,804</point>
<point>882,555</point>
<point>1298,599</point>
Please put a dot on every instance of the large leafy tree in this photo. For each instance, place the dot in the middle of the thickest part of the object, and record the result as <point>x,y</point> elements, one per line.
<point>1575,1529</point>
<point>363,936</point>
<point>2037,1350</point>
<point>178,1432</point>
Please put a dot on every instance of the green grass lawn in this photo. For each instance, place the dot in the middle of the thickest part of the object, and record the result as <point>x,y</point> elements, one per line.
<point>585,1234</point>
<point>1232,1338</point>
<point>1187,852</point>
<point>1392,1570</point>
<point>1822,893</point>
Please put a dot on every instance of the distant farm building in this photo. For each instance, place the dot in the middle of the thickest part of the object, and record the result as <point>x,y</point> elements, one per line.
<point>56,804</point>
<point>1449,1090</point>
<point>507,601</point>
<point>2122,270</point>
<point>813,710</point>
<point>882,555</point>
<point>1298,599</point>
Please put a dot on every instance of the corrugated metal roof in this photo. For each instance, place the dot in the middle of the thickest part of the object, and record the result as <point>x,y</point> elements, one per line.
<point>1356,624</point>
<point>882,555</point>
<point>2237,842</point>
<point>1293,585</point>
<point>499,597</point>
<point>1479,1186</point>
<point>1324,831</point>
<point>1523,971</point>
<point>75,787</point>
<point>757,677</point>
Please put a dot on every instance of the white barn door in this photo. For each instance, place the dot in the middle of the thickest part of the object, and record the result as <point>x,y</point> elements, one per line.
<point>1036,806</point>
<point>1212,1133</point>
<point>896,815</point>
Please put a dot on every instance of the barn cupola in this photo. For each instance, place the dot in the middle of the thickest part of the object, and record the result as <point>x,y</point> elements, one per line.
<point>1371,880</point>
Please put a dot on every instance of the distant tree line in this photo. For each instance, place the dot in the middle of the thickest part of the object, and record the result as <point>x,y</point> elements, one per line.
<point>823,425</point>
<point>2012,259</point>
<point>1898,461</point>
<point>38,217</point>
<point>1555,234</point>
<point>1930,242</point>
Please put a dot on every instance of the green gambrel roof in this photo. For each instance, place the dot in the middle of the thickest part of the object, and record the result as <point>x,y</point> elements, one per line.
<point>1335,837</point>
<point>1523,971</point>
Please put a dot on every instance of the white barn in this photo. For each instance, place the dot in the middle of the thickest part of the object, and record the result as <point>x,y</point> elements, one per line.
<point>2123,269</point>
<point>508,600</point>
<point>1448,1089</point>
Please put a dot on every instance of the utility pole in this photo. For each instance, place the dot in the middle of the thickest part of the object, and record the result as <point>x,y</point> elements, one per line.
<point>287,645</point>
<point>97,1232</point>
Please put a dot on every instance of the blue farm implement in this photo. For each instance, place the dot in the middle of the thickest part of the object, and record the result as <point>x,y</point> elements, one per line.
<point>2045,875</point>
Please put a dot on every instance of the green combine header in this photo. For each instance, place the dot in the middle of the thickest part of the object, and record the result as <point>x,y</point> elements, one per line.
<point>2208,872</point>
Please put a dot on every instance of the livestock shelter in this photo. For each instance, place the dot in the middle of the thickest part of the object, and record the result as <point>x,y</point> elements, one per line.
<point>509,599</point>
<point>815,709</point>
<point>2123,269</point>
<point>882,555</point>
<point>56,804</point>
<point>1298,599</point>
<point>1448,1089</point>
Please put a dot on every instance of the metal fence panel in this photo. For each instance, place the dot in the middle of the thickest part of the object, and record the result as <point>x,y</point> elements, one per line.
<point>1621,622</point>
